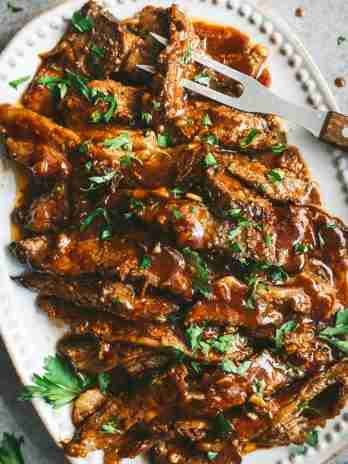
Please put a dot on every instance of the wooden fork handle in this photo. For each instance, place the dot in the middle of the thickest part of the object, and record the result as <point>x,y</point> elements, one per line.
<point>335,130</point>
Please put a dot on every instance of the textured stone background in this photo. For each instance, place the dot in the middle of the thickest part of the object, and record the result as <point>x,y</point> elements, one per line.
<point>323,22</point>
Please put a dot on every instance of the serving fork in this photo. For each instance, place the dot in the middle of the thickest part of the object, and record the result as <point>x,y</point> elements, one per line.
<point>328,126</point>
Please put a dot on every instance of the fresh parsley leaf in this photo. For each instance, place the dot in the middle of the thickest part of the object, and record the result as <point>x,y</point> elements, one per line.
<point>111,426</point>
<point>79,83</point>
<point>146,117</point>
<point>10,449</point>
<point>241,224</point>
<point>206,121</point>
<point>156,105</point>
<point>97,51</point>
<point>201,277</point>
<point>279,148</point>
<point>164,140</point>
<point>14,9</point>
<point>59,385</point>
<point>341,345</point>
<point>268,239</point>
<point>81,23</point>
<point>104,379</point>
<point>209,160</point>
<point>211,139</point>
<point>202,79</point>
<point>211,455</point>
<point>92,216</point>
<point>312,438</point>
<point>17,82</point>
<point>121,142</point>
<point>234,213</point>
<point>221,425</point>
<point>341,39</point>
<point>194,336</point>
<point>97,116</point>
<point>331,226</point>
<point>127,160</point>
<point>229,366</point>
<point>177,213</point>
<point>302,248</point>
<point>177,192</point>
<point>248,140</point>
<point>58,86</point>
<point>224,343</point>
<point>284,329</point>
<point>97,182</point>
<point>275,176</point>
<point>145,262</point>
<point>235,247</point>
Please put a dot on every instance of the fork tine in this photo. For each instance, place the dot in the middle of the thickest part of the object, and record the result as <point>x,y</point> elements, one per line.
<point>213,64</point>
<point>159,38</point>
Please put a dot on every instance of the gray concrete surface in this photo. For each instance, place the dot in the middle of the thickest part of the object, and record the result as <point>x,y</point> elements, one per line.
<point>323,23</point>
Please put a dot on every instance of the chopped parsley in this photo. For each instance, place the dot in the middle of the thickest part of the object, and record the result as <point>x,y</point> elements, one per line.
<point>177,192</point>
<point>14,8</point>
<point>268,239</point>
<point>10,449</point>
<point>97,182</point>
<point>275,176</point>
<point>241,224</point>
<point>81,23</point>
<point>211,455</point>
<point>201,277</point>
<point>145,262</point>
<point>121,142</point>
<point>97,116</point>
<point>176,213</point>
<point>229,366</point>
<point>221,425</point>
<point>330,334</point>
<point>341,39</point>
<point>211,139</point>
<point>127,160</point>
<point>312,439</point>
<point>254,284</point>
<point>156,105</point>
<point>194,336</point>
<point>58,86</point>
<point>280,333</point>
<point>146,117</point>
<point>104,379</point>
<point>97,51</point>
<point>302,248</point>
<point>17,82</point>
<point>202,79</point>
<point>210,160</point>
<point>279,148</point>
<point>111,426</point>
<point>164,140</point>
<point>235,247</point>
<point>106,229</point>
<point>59,385</point>
<point>248,140</point>
<point>196,367</point>
<point>206,121</point>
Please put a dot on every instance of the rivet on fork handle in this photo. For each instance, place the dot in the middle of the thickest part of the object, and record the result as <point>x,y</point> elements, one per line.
<point>335,130</point>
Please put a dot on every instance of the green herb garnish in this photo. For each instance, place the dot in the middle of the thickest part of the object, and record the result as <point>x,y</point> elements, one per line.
<point>97,51</point>
<point>268,239</point>
<point>10,449</point>
<point>280,333</point>
<point>302,248</point>
<point>81,23</point>
<point>341,39</point>
<point>176,213</point>
<point>206,121</point>
<point>104,379</point>
<point>146,117</point>
<point>330,334</point>
<point>201,278</point>
<point>279,148</point>
<point>248,140</point>
<point>145,262</point>
<point>59,385</point>
<point>210,160</point>
<point>97,182</point>
<point>229,366</point>
<point>111,426</point>
<point>17,82</point>
<point>121,142</point>
<point>164,140</point>
<point>275,176</point>
<point>221,425</point>
<point>211,455</point>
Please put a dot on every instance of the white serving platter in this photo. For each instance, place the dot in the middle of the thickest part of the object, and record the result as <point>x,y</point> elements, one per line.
<point>27,333</point>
